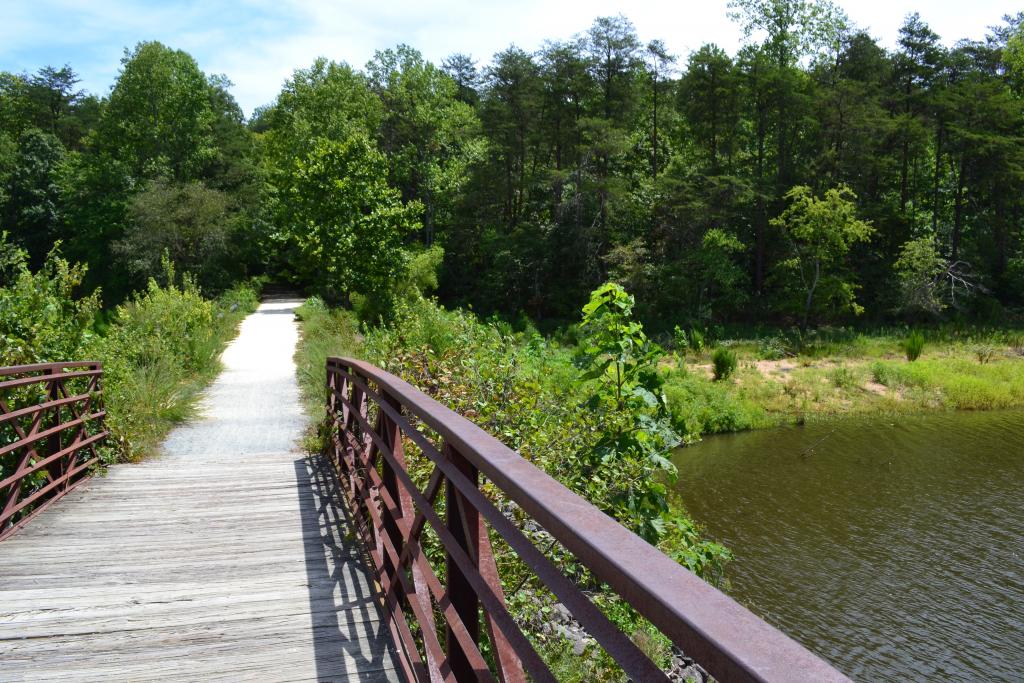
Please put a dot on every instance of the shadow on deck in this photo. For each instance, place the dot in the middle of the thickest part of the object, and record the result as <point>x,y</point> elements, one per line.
<point>343,599</point>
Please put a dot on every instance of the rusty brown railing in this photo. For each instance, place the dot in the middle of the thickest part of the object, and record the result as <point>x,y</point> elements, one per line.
<point>372,415</point>
<point>51,421</point>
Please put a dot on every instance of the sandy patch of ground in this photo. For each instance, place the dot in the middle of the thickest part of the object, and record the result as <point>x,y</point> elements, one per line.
<point>776,369</point>
<point>876,388</point>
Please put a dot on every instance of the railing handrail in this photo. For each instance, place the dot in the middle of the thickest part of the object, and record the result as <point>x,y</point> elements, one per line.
<point>37,367</point>
<point>728,640</point>
<point>63,426</point>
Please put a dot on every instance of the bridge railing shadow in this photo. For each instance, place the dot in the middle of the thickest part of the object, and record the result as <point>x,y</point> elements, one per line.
<point>350,637</point>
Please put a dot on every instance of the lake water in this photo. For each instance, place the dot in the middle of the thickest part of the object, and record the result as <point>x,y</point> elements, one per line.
<point>892,548</point>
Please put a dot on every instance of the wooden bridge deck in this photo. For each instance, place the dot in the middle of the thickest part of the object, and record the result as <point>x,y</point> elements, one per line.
<point>223,559</point>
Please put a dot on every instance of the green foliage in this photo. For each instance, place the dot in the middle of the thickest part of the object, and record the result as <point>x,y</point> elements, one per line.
<point>699,406</point>
<point>723,279</point>
<point>697,340</point>
<point>189,223</point>
<point>325,332</point>
<point>679,339</point>
<point>630,457</point>
<point>792,28</point>
<point>774,347</point>
<point>41,320</point>
<point>820,233</point>
<point>984,353</point>
<point>919,269</point>
<point>723,362</point>
<point>419,279</point>
<point>430,135</point>
<point>914,345</point>
<point>347,223</point>
<point>33,192</point>
<point>843,378</point>
<point>328,100</point>
<point>158,120</point>
<point>542,173</point>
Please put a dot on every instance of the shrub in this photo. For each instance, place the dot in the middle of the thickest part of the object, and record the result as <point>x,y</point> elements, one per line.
<point>773,348</point>
<point>679,340</point>
<point>325,332</point>
<point>984,353</point>
<point>842,377</point>
<point>914,345</point>
<point>724,362</point>
<point>701,407</point>
<point>40,319</point>
<point>696,340</point>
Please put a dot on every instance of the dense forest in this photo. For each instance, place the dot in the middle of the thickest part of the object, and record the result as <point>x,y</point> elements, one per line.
<point>812,177</point>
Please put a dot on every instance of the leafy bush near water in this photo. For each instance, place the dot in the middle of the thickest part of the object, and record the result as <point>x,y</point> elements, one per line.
<point>700,407</point>
<point>724,362</point>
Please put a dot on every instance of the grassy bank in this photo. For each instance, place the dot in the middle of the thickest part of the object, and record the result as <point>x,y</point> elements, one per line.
<point>843,374</point>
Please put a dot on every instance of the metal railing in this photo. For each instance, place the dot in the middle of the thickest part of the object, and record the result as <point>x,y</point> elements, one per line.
<point>372,415</point>
<point>51,421</point>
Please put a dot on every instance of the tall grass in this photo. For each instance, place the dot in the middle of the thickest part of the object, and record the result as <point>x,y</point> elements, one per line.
<point>324,332</point>
<point>956,382</point>
<point>914,345</point>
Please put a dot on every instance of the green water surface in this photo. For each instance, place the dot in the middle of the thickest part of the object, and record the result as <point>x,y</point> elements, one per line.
<point>892,548</point>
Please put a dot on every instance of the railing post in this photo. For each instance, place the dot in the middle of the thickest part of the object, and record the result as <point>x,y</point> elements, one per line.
<point>463,521</point>
<point>57,468</point>
<point>336,384</point>
<point>392,436</point>
<point>332,400</point>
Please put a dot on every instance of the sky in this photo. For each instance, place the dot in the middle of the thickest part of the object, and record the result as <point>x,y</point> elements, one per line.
<point>259,43</point>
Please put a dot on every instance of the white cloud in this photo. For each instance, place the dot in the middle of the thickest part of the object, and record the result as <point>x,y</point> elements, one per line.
<point>258,43</point>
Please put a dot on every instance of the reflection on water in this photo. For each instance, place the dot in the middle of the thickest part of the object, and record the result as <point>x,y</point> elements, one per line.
<point>893,548</point>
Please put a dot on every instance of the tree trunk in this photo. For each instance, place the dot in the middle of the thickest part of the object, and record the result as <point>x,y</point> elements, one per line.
<point>954,239</point>
<point>810,295</point>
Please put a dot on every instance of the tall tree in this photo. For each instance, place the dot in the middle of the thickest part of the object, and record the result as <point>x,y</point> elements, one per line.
<point>426,132</point>
<point>348,223</point>
<point>659,65</point>
<point>158,120</point>
<point>33,208</point>
<point>820,233</point>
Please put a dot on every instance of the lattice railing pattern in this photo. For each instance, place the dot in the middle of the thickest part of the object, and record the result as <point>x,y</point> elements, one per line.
<point>51,422</point>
